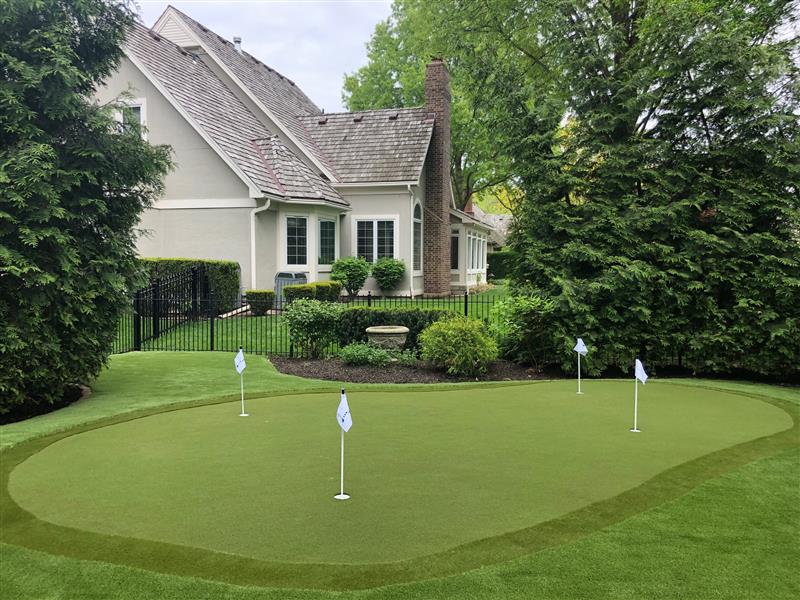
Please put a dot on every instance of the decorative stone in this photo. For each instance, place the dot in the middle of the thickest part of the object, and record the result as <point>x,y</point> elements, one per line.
<point>389,337</point>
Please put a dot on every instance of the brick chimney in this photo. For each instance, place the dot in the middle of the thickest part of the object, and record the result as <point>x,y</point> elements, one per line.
<point>438,194</point>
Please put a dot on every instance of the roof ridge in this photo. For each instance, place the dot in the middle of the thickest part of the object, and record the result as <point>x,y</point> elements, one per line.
<point>356,112</point>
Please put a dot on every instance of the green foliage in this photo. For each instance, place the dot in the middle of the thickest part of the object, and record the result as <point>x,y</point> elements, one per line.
<point>329,291</point>
<point>354,321</point>
<point>301,290</point>
<point>72,189</point>
<point>388,272</point>
<point>498,264</point>
<point>523,328</point>
<point>459,345</point>
<point>351,272</point>
<point>364,354</point>
<point>260,301</point>
<point>223,276</point>
<point>394,77</point>
<point>660,207</point>
<point>312,325</point>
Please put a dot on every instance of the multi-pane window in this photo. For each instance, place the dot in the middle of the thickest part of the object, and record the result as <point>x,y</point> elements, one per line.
<point>375,239</point>
<point>385,239</point>
<point>454,250</point>
<point>296,241</point>
<point>327,242</point>
<point>417,237</point>
<point>365,246</point>
<point>131,115</point>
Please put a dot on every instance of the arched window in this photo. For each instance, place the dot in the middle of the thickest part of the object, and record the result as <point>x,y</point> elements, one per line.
<point>417,237</point>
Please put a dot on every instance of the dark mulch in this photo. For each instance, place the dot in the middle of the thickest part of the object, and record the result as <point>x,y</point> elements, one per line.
<point>333,369</point>
<point>72,393</point>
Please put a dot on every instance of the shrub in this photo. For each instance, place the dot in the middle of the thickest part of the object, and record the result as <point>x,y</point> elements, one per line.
<point>407,358</point>
<point>523,328</point>
<point>364,354</point>
<point>312,325</point>
<point>223,276</point>
<point>497,264</point>
<point>351,272</point>
<point>327,290</point>
<point>354,321</point>
<point>260,301</point>
<point>296,292</point>
<point>459,345</point>
<point>388,272</point>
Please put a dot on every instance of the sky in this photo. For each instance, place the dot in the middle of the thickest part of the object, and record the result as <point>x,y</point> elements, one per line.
<point>312,42</point>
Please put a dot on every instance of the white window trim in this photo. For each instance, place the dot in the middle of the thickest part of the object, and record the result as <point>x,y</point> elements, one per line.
<point>354,219</point>
<point>419,271</point>
<point>132,102</point>
<point>477,252</point>
<point>283,240</point>
<point>327,268</point>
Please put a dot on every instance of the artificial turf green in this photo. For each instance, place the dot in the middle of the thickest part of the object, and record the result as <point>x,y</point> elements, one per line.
<point>428,471</point>
<point>681,556</point>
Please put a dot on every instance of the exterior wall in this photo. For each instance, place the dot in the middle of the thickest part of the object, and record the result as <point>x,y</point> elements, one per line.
<point>465,276</point>
<point>198,233</point>
<point>390,202</point>
<point>199,171</point>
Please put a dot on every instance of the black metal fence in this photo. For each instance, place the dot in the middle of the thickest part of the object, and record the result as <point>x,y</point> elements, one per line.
<point>181,315</point>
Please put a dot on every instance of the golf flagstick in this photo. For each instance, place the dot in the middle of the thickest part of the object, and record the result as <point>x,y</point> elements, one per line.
<point>639,375</point>
<point>240,365</point>
<point>345,421</point>
<point>581,349</point>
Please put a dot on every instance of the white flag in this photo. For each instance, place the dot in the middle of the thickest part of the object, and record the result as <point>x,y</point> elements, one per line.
<point>239,362</point>
<point>640,374</point>
<point>343,414</point>
<point>581,348</point>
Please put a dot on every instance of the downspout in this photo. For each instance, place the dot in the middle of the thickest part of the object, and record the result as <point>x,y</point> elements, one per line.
<point>253,213</point>
<point>411,275</point>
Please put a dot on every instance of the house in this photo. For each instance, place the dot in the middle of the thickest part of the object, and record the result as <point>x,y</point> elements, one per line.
<point>265,178</point>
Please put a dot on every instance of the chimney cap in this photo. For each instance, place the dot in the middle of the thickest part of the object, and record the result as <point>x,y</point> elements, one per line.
<point>237,43</point>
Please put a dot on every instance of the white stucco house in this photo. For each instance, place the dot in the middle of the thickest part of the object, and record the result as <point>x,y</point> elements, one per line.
<point>265,178</point>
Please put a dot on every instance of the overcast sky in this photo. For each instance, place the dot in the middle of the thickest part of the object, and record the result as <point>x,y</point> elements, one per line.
<point>312,42</point>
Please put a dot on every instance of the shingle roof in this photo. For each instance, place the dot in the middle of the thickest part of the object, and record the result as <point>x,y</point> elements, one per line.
<point>292,175</point>
<point>223,117</point>
<point>279,94</point>
<point>374,145</point>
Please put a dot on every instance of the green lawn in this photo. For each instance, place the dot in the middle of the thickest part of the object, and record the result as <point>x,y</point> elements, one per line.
<point>547,488</point>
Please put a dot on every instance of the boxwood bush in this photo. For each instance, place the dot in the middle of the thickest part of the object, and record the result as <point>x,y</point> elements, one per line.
<point>458,345</point>
<point>388,272</point>
<point>260,301</point>
<point>328,291</point>
<point>354,321</point>
<point>223,276</point>
<point>312,325</point>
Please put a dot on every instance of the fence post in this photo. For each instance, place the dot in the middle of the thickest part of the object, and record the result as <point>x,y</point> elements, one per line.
<point>466,303</point>
<point>369,298</point>
<point>195,291</point>
<point>137,321</point>
<point>156,308</point>
<point>211,323</point>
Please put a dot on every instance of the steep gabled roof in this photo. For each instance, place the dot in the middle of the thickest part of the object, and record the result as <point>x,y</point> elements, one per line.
<point>374,145</point>
<point>279,95</point>
<point>221,116</point>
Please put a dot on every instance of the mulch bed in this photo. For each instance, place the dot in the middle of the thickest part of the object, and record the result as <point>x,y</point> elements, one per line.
<point>333,369</point>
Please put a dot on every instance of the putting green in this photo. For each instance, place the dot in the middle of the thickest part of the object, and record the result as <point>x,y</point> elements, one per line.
<point>427,471</point>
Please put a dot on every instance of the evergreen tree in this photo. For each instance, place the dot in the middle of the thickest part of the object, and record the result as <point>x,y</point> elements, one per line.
<point>72,188</point>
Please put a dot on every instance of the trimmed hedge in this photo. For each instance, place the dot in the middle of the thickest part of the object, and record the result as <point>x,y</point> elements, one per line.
<point>327,291</point>
<point>223,276</point>
<point>497,264</point>
<point>354,321</point>
<point>260,301</point>
<point>459,346</point>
